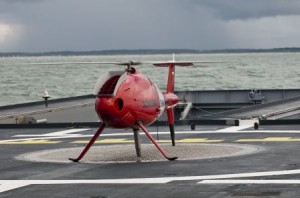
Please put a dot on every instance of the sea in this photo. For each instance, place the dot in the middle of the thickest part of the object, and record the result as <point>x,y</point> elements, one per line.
<point>21,80</point>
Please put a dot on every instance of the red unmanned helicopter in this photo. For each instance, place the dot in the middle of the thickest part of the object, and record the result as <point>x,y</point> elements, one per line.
<point>128,99</point>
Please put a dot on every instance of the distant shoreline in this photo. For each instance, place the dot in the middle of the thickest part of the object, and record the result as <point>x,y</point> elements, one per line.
<point>147,51</point>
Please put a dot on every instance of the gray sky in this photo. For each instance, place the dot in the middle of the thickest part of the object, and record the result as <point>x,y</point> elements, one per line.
<point>79,25</point>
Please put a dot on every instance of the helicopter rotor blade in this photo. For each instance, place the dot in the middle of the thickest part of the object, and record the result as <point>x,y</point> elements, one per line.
<point>130,63</point>
<point>85,63</point>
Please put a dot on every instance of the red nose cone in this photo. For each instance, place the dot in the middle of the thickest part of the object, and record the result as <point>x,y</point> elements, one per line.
<point>125,100</point>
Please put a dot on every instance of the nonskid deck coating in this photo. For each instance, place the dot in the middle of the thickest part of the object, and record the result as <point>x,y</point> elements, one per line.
<point>126,153</point>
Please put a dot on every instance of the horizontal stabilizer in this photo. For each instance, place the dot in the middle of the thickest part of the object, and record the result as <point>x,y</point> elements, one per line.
<point>166,64</point>
<point>181,63</point>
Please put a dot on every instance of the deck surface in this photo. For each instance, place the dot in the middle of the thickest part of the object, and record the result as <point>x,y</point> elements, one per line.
<point>273,171</point>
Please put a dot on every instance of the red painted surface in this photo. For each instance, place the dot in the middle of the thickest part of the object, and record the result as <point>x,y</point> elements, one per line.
<point>170,114</point>
<point>91,142</point>
<point>132,101</point>
<point>135,100</point>
<point>171,79</point>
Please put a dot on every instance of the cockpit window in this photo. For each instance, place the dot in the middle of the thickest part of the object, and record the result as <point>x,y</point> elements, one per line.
<point>109,86</point>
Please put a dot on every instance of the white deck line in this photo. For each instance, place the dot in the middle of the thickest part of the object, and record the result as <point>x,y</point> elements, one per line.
<point>6,185</point>
<point>278,181</point>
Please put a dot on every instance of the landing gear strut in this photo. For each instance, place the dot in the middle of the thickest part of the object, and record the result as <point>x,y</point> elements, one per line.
<point>136,139</point>
<point>154,142</point>
<point>88,146</point>
<point>137,143</point>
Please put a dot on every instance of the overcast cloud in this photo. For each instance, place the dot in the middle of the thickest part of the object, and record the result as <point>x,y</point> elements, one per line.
<point>56,25</point>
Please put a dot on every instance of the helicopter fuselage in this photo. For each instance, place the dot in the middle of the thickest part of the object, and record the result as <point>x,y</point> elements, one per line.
<point>123,100</point>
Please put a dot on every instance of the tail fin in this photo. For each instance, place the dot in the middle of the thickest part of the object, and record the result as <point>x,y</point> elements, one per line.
<point>170,98</point>
<point>171,79</point>
<point>171,76</point>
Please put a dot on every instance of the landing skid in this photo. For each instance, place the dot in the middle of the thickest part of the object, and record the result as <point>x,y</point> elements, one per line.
<point>136,138</point>
<point>91,142</point>
<point>155,143</point>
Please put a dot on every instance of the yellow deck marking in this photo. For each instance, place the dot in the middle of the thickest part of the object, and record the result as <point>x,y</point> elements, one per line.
<point>164,141</point>
<point>204,140</point>
<point>104,141</point>
<point>187,140</point>
<point>271,139</point>
<point>32,142</point>
<point>192,140</point>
